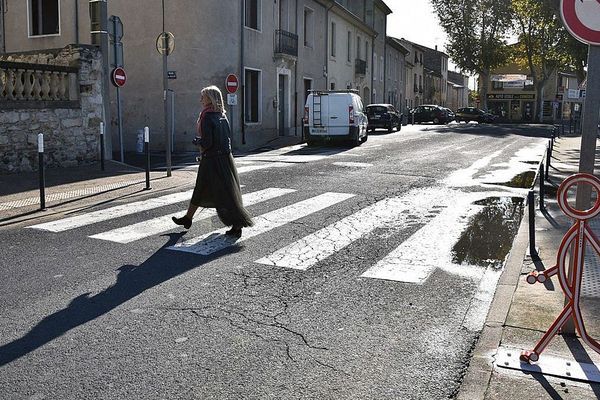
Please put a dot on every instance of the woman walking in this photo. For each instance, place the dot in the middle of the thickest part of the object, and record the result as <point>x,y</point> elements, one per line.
<point>217,182</point>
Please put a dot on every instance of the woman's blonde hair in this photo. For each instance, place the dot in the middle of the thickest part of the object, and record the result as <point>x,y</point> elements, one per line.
<point>216,98</point>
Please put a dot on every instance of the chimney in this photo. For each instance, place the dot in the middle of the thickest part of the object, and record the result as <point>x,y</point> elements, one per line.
<point>436,47</point>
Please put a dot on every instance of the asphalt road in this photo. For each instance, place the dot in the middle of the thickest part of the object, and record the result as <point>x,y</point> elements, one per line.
<point>347,287</point>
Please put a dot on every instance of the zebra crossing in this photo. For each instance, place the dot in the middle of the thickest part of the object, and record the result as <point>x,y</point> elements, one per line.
<point>439,213</point>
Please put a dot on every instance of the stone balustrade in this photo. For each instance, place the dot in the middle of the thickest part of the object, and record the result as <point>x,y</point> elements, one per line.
<point>26,85</point>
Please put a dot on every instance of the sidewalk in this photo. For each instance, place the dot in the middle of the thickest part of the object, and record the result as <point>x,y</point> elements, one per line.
<point>521,313</point>
<point>68,189</point>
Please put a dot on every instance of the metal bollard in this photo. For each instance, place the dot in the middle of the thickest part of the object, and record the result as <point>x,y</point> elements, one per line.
<point>542,206</point>
<point>102,146</point>
<point>548,158</point>
<point>531,206</point>
<point>147,150</point>
<point>41,170</point>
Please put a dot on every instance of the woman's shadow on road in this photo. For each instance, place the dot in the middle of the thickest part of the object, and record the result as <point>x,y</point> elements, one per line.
<point>131,281</point>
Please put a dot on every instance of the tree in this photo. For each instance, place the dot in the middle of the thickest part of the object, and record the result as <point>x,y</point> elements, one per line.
<point>476,32</point>
<point>544,46</point>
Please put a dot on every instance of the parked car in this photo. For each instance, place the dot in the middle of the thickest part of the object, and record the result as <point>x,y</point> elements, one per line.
<point>451,114</point>
<point>335,115</point>
<point>429,113</point>
<point>383,116</point>
<point>468,114</point>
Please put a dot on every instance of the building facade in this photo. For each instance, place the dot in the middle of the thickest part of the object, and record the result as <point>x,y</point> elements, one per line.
<point>279,50</point>
<point>395,74</point>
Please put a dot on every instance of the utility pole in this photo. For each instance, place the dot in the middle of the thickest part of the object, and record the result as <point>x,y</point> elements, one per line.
<point>99,31</point>
<point>165,92</point>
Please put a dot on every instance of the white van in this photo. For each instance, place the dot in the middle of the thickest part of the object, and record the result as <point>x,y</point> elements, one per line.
<point>335,115</point>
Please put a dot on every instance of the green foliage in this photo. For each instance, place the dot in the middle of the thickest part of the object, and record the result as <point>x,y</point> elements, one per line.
<point>476,32</point>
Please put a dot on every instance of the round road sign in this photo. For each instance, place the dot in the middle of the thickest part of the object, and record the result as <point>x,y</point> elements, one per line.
<point>582,19</point>
<point>231,83</point>
<point>119,77</point>
<point>165,43</point>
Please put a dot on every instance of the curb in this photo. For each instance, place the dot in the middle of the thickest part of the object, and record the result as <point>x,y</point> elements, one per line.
<point>479,372</point>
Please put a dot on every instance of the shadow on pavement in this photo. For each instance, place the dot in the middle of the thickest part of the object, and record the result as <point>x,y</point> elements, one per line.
<point>132,280</point>
<point>26,181</point>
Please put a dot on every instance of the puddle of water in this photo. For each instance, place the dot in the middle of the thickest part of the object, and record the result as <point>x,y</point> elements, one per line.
<point>523,180</point>
<point>490,233</point>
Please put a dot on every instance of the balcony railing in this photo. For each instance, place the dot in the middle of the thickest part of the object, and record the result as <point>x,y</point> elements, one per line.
<point>360,67</point>
<point>286,43</point>
<point>24,85</point>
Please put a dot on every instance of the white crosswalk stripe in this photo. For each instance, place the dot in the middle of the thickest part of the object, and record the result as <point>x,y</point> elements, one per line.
<point>78,221</point>
<point>215,241</point>
<point>315,247</point>
<point>158,225</point>
<point>430,247</point>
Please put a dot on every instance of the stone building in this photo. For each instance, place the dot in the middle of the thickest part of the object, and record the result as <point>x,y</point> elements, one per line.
<point>56,93</point>
<point>396,73</point>
<point>278,49</point>
<point>415,73</point>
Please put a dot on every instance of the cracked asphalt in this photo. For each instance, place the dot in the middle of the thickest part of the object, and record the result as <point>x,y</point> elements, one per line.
<point>86,318</point>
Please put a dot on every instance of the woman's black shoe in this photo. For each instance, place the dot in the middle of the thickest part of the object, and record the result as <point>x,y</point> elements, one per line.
<point>185,221</point>
<point>234,232</point>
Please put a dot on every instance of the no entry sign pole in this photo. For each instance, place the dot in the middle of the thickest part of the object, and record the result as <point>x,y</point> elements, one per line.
<point>582,20</point>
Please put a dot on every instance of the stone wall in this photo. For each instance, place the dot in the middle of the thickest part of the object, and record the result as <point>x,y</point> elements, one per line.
<point>70,128</point>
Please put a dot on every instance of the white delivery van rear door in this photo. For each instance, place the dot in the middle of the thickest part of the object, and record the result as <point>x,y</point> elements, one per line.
<point>339,107</point>
<point>318,114</point>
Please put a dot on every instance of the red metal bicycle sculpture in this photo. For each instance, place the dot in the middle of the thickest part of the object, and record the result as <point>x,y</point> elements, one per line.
<point>578,234</point>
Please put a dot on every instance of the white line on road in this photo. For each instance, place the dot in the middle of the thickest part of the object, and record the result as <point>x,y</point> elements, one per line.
<point>111,213</point>
<point>158,225</point>
<point>315,247</point>
<point>215,241</point>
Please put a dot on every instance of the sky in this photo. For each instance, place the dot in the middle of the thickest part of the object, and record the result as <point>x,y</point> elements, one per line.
<point>415,20</point>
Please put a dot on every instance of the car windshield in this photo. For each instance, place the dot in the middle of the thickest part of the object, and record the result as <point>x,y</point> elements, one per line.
<point>376,109</point>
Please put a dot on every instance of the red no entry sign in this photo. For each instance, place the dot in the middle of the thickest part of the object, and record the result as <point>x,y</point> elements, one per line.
<point>231,83</point>
<point>582,19</point>
<point>119,77</point>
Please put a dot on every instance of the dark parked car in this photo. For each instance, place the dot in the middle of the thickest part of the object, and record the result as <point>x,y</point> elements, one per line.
<point>468,114</point>
<point>450,113</point>
<point>383,116</point>
<point>429,113</point>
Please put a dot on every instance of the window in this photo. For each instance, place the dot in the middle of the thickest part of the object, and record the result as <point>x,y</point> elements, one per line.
<point>252,14</point>
<point>44,17</point>
<point>367,53</point>
<point>252,95</point>
<point>333,39</point>
<point>358,47</point>
<point>381,71</point>
<point>349,59</point>
<point>309,27</point>
<point>332,85</point>
<point>374,65</point>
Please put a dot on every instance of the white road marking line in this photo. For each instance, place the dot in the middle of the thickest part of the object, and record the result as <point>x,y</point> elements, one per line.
<point>427,249</point>
<point>480,304</point>
<point>110,213</point>
<point>215,241</point>
<point>158,225</point>
<point>464,177</point>
<point>352,164</point>
<point>249,168</point>
<point>430,247</point>
<point>315,247</point>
